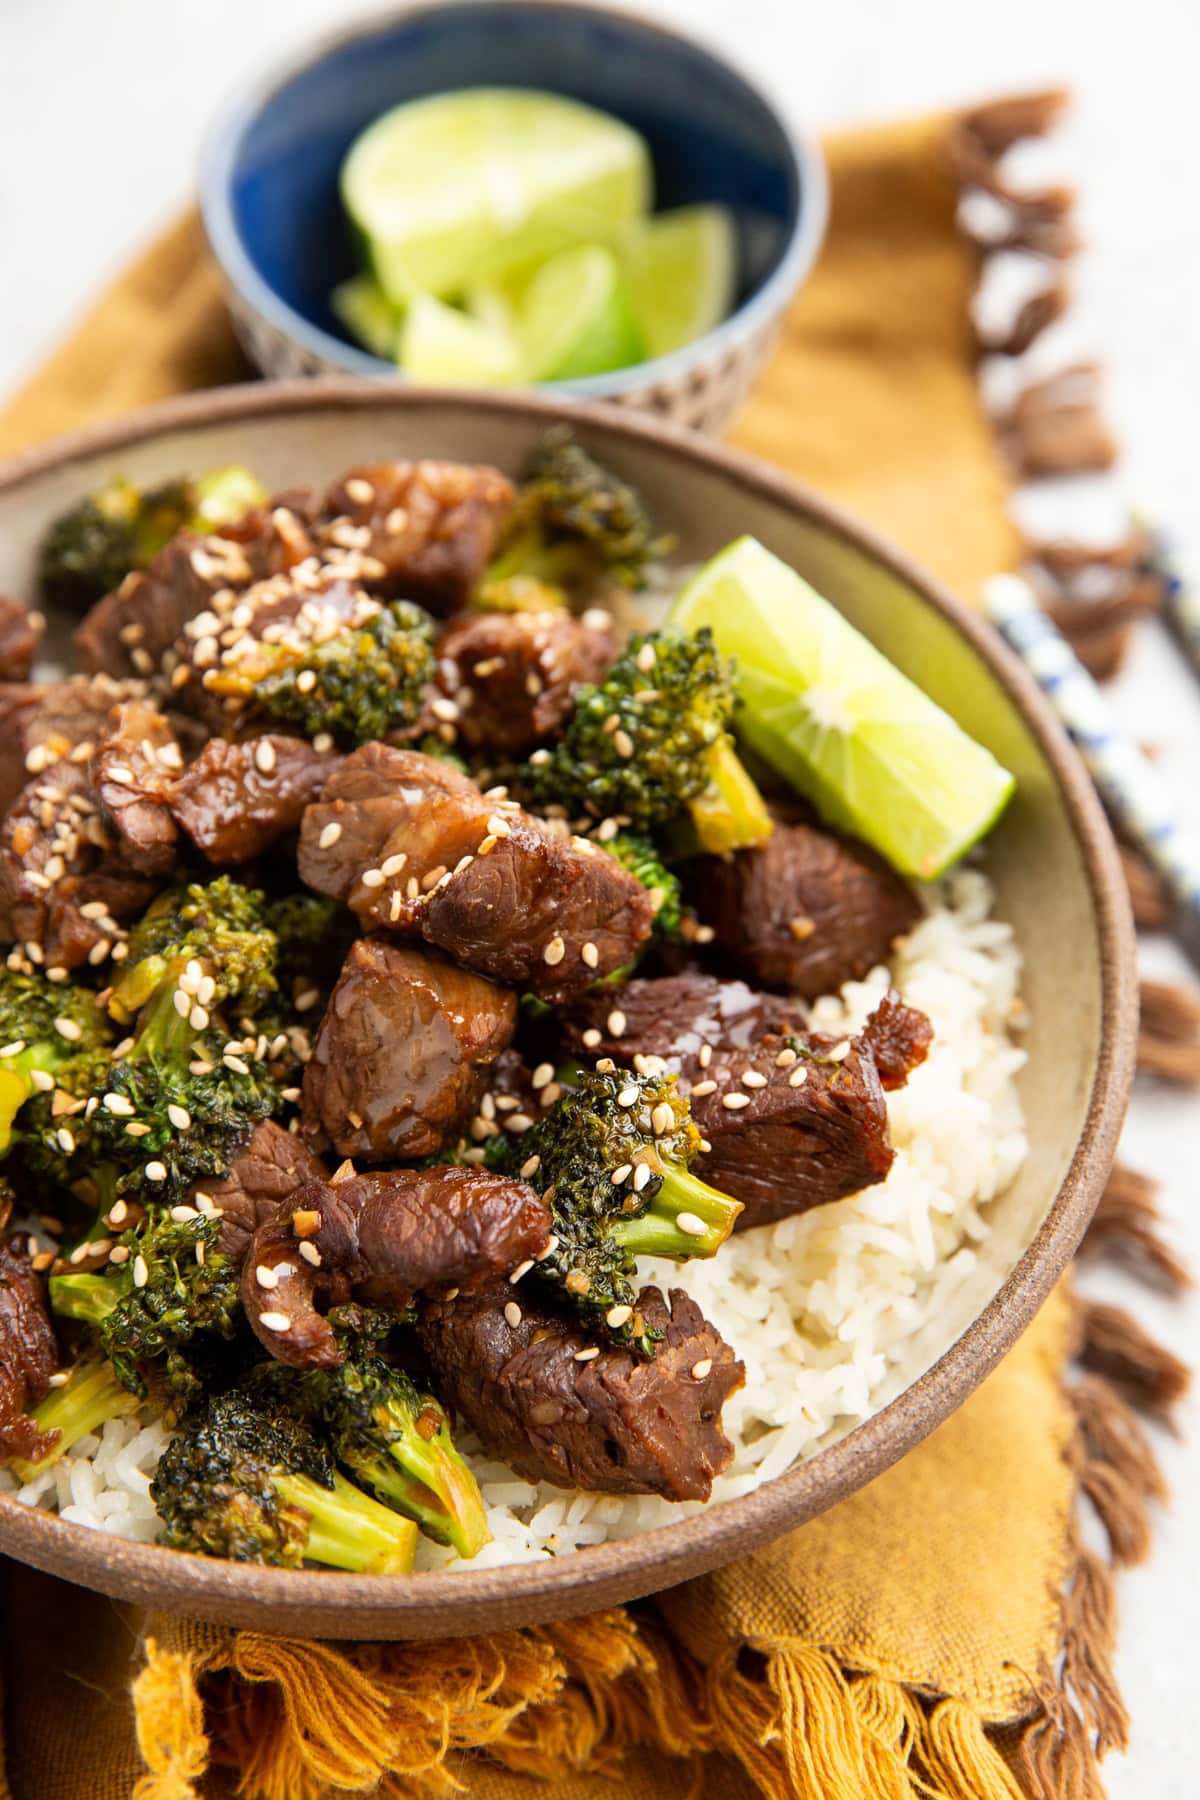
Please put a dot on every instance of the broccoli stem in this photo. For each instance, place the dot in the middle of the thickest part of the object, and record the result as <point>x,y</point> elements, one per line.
<point>89,1399</point>
<point>427,1480</point>
<point>730,813</point>
<point>88,1298</point>
<point>657,1231</point>
<point>16,1083</point>
<point>347,1529</point>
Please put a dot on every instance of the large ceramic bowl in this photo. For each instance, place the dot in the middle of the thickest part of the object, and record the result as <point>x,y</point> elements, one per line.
<point>269,177</point>
<point>1052,860</point>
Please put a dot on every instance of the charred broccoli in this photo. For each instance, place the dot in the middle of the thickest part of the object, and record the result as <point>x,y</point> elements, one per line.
<point>610,1157</point>
<point>52,1036</point>
<point>361,684</point>
<point>396,1441</point>
<point>573,521</point>
<point>165,1287</point>
<point>247,1479</point>
<point>651,742</point>
<point>89,550</point>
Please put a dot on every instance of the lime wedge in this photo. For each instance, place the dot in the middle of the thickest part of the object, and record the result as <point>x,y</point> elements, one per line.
<point>821,705</point>
<point>454,189</point>
<point>439,343</point>
<point>682,272</point>
<point>368,315</point>
<point>576,317</point>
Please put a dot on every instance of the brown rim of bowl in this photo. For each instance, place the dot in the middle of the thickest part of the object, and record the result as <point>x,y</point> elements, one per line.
<point>445,1603</point>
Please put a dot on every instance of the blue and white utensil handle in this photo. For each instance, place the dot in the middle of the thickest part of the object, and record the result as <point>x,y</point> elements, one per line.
<point>1130,786</point>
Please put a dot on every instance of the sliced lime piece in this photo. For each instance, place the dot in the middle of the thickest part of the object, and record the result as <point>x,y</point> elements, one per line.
<point>439,343</point>
<point>457,188</point>
<point>682,273</point>
<point>820,704</point>
<point>576,318</point>
<point>368,315</point>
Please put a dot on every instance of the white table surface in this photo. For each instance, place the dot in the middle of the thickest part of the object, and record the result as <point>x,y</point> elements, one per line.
<point>104,103</point>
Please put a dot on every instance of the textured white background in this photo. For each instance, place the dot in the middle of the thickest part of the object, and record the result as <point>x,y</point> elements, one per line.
<point>103,104</point>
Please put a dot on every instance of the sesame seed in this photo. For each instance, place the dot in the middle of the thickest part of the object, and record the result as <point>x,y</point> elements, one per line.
<point>840,1052</point>
<point>68,1029</point>
<point>310,1254</point>
<point>735,1101</point>
<point>542,1074</point>
<point>646,658</point>
<point>120,1254</point>
<point>264,756</point>
<point>622,743</point>
<point>689,1223</point>
<point>530,1166</point>
<point>464,862</point>
<point>141,1273</point>
<point>200,1067</point>
<point>587,1355</point>
<point>205,652</point>
<point>705,1056</point>
<point>206,990</point>
<point>275,1321</point>
<point>323,742</point>
<point>548,1248</point>
<point>498,826</point>
<point>786,1058</point>
<point>183,1214</point>
<point>42,1081</point>
<point>180,1117</point>
<point>533,684</point>
<point>798,1077</point>
<point>392,865</point>
<point>596,618</point>
<point>98,952</point>
<point>641,1175</point>
<point>93,909</point>
<point>156,1171</point>
<point>702,1368</point>
<point>662,1118</point>
<point>519,1122</point>
<point>605,1065</point>
<point>591,1038</point>
<point>360,491</point>
<point>704,934</point>
<point>616,1022</point>
<point>590,955</point>
<point>198,1018</point>
<point>330,835</point>
<point>119,1105</point>
<point>372,878</point>
<point>616,1316</point>
<point>703,1087</point>
<point>622,1174</point>
<point>555,951</point>
<point>266,1278</point>
<point>137,1130</point>
<point>628,1096</point>
<point>753,1079</point>
<point>13,1049</point>
<point>441,708</point>
<point>235,1063</point>
<point>65,1140</point>
<point>521,1269</point>
<point>432,877</point>
<point>395,906</point>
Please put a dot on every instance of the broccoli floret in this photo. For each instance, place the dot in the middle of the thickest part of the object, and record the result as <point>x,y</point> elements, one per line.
<point>89,550</point>
<point>248,1480</point>
<point>642,859</point>
<point>361,684</point>
<point>170,1288</point>
<point>221,927</point>
<point>573,521</point>
<point>52,1035</point>
<point>591,1149</point>
<point>91,1396</point>
<point>651,742</point>
<point>396,1441</point>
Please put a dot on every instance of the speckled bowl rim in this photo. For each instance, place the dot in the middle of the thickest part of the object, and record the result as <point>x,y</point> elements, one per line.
<point>444,1603</point>
<point>224,138</point>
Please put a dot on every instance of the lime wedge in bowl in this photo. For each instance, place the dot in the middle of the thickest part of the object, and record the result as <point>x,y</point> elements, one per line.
<point>682,273</point>
<point>368,315</point>
<point>821,705</point>
<point>576,317</point>
<point>440,344</point>
<point>455,189</point>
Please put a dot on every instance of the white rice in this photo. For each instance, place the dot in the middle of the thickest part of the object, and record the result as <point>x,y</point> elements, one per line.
<point>830,1312</point>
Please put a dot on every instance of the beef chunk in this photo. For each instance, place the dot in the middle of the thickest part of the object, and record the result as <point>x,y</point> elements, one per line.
<point>616,1423</point>
<point>414,847</point>
<point>28,1352</point>
<point>424,530</point>
<point>272,1165</point>
<point>805,1126</point>
<point>382,1239</point>
<point>673,1016</point>
<point>20,635</point>
<point>403,1053</point>
<point>236,799</point>
<point>42,723</point>
<point>513,675</point>
<point>806,911</point>
<point>135,767</point>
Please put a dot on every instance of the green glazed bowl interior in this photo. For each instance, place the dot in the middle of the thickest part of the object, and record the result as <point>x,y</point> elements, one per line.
<point>1052,861</point>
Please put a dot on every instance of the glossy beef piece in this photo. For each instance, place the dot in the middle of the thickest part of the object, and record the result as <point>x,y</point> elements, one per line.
<point>804,1129</point>
<point>273,1164</point>
<point>617,1423</point>
<point>414,847</point>
<point>237,799</point>
<point>58,855</point>
<point>513,675</point>
<point>427,528</point>
<point>805,912</point>
<point>673,1016</point>
<point>382,1239</point>
<point>131,630</point>
<point>403,1053</point>
<point>52,721</point>
<point>134,771</point>
<point>28,1352</point>
<point>20,635</point>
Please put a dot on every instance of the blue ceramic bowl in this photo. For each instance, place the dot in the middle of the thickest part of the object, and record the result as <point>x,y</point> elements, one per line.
<point>269,177</point>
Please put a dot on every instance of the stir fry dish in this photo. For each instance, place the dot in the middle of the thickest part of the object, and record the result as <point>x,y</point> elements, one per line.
<point>401,948</point>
